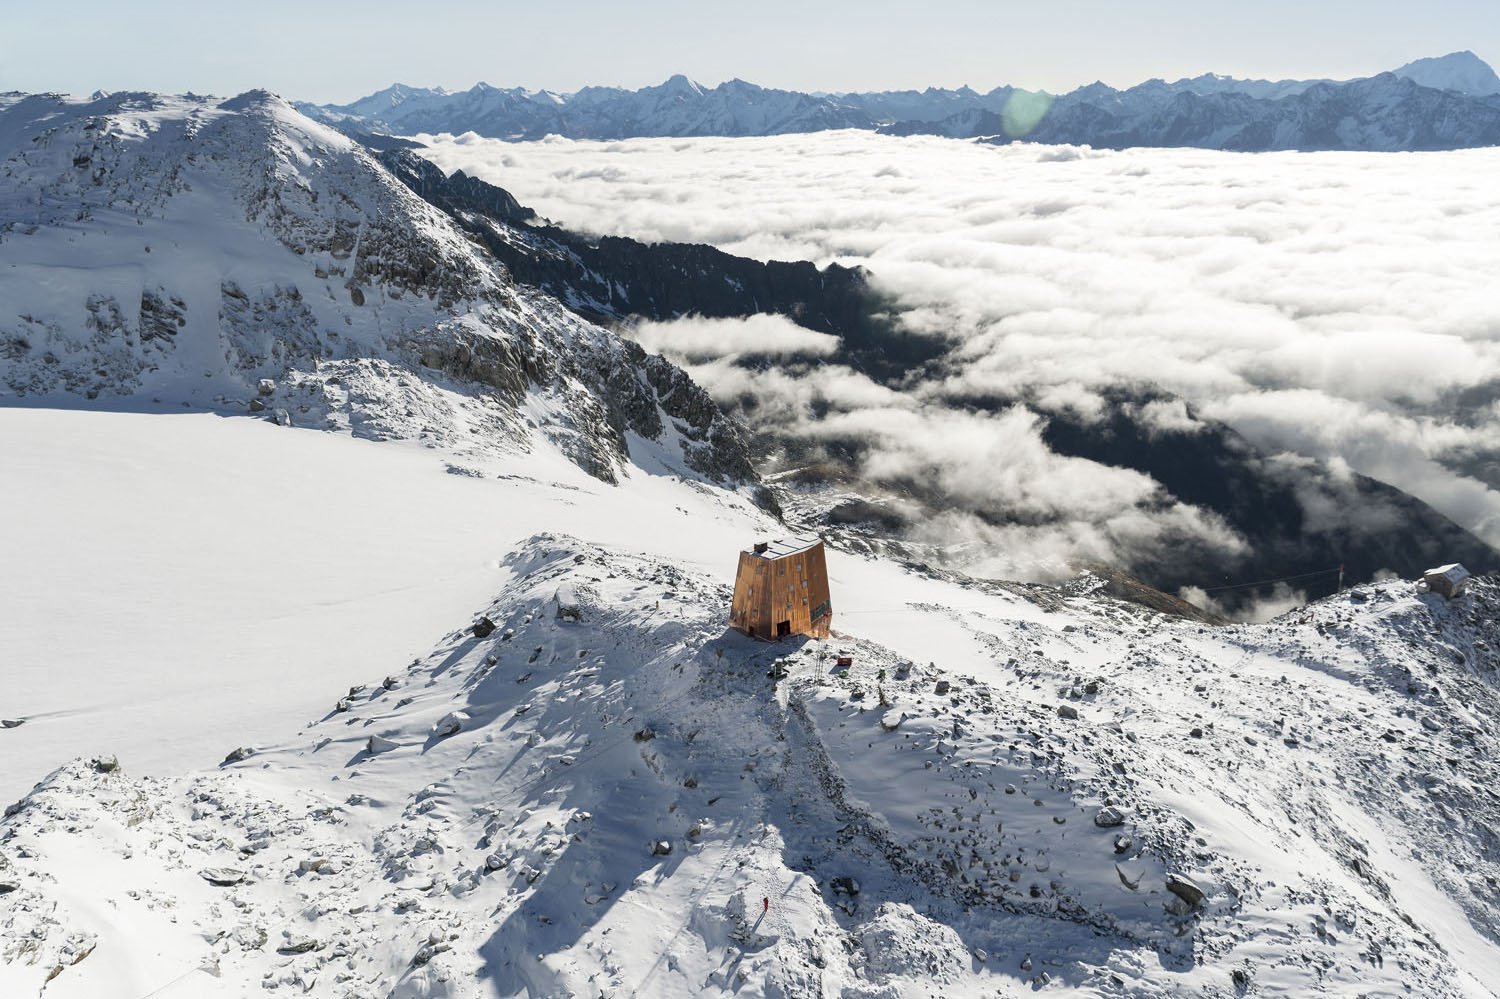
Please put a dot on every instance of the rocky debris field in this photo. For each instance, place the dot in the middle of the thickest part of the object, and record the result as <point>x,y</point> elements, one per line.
<point>592,787</point>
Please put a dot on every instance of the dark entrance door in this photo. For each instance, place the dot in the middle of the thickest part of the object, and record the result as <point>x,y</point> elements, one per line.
<point>783,628</point>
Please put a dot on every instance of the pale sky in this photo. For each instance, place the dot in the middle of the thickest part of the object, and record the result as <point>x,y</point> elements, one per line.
<point>339,51</point>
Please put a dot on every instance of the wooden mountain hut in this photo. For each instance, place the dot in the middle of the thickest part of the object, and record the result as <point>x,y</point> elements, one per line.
<point>781,589</point>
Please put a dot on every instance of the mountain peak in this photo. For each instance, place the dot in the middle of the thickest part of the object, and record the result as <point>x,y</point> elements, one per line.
<point>677,83</point>
<point>1463,72</point>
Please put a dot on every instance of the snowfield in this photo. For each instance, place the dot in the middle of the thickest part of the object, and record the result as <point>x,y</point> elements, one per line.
<point>364,635</point>
<point>992,799</point>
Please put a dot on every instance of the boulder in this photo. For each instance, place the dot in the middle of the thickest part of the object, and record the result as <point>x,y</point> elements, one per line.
<point>105,764</point>
<point>661,848</point>
<point>1067,711</point>
<point>265,387</point>
<point>483,628</point>
<point>224,877</point>
<point>450,723</point>
<point>281,418</point>
<point>1108,817</point>
<point>378,744</point>
<point>12,722</point>
<point>844,885</point>
<point>1185,888</point>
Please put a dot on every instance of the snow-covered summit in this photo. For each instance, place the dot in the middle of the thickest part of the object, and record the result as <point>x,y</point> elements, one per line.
<point>599,790</point>
<point>1463,72</point>
<point>238,256</point>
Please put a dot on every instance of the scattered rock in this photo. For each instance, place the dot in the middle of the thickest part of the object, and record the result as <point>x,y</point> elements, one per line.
<point>1185,888</point>
<point>942,687</point>
<point>378,744</point>
<point>105,764</point>
<point>1067,711</point>
<point>12,722</point>
<point>1196,733</point>
<point>281,418</point>
<point>844,885</point>
<point>256,406</point>
<point>449,724</point>
<point>661,848</point>
<point>224,877</point>
<point>298,945</point>
<point>1108,817</point>
<point>427,952</point>
<point>483,628</point>
<point>266,387</point>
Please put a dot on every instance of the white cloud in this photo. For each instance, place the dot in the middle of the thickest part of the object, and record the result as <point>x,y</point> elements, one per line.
<point>1331,305</point>
<point>760,335</point>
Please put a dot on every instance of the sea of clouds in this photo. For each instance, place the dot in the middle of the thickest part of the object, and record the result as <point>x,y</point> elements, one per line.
<point>1343,306</point>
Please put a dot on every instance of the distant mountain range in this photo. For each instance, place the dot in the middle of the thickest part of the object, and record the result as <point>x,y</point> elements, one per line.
<point>1452,102</point>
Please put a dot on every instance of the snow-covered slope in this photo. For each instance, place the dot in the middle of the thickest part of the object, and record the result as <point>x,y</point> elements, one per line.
<point>1009,789</point>
<point>584,783</point>
<point>235,255</point>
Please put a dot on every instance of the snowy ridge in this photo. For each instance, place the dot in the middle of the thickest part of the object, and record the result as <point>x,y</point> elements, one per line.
<point>596,796</point>
<point>180,251</point>
<point>1445,104</point>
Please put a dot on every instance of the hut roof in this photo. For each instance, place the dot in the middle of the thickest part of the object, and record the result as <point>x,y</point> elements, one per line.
<point>1454,571</point>
<point>783,547</point>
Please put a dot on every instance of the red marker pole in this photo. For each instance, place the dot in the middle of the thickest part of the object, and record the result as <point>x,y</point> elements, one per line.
<point>1341,577</point>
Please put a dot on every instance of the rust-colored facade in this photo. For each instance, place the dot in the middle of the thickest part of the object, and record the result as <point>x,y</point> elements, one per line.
<point>781,589</point>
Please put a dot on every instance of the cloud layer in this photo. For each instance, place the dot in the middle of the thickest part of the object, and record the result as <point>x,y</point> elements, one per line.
<point>1333,305</point>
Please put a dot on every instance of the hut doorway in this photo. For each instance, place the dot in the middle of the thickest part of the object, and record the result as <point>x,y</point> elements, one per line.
<point>783,629</point>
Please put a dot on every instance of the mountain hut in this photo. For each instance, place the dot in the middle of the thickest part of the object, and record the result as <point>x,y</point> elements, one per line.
<point>781,589</point>
<point>1448,580</point>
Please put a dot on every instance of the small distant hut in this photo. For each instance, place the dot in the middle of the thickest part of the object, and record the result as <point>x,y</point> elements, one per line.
<point>1447,580</point>
<point>781,589</point>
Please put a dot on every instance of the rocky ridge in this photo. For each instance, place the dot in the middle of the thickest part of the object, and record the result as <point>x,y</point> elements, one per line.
<point>237,256</point>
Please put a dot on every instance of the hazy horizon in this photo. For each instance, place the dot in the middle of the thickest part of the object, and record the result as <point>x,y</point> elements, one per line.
<point>324,56</point>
